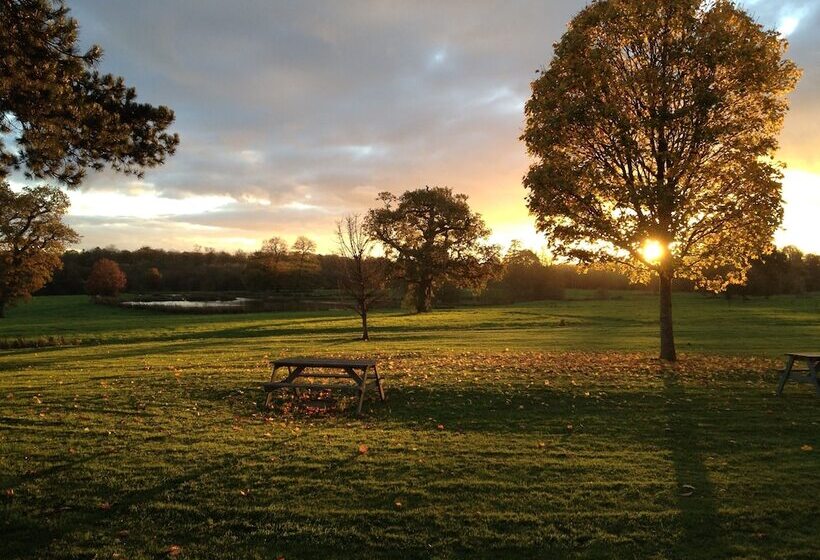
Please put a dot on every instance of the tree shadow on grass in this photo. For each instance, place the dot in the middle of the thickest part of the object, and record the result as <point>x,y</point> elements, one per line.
<point>26,536</point>
<point>700,521</point>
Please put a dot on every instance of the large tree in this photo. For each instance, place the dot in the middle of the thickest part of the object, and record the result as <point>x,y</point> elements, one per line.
<point>653,133</point>
<point>58,115</point>
<point>434,238</point>
<point>32,240</point>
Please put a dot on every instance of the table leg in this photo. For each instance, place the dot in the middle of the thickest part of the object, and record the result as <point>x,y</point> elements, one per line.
<point>379,384</point>
<point>362,389</point>
<point>813,364</point>
<point>786,373</point>
<point>269,397</point>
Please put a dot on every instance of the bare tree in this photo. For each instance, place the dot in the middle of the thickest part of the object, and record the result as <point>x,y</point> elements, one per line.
<point>364,276</point>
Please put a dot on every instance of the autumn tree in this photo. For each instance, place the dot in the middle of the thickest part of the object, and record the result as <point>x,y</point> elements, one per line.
<point>654,131</point>
<point>364,276</point>
<point>106,279</point>
<point>32,240</point>
<point>61,115</point>
<point>434,238</point>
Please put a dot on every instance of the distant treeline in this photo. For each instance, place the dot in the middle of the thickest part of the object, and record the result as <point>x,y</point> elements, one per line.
<point>523,277</point>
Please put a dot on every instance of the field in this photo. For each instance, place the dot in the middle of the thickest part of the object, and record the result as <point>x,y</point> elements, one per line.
<point>544,430</point>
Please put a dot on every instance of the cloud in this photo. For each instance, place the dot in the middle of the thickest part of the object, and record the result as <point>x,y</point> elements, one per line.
<point>294,113</point>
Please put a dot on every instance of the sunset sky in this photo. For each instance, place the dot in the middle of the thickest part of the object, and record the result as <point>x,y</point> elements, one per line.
<point>292,114</point>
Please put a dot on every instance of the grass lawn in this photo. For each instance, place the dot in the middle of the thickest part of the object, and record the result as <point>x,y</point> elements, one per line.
<point>545,430</point>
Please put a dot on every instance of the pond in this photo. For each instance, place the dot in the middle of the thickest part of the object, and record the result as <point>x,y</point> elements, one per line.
<point>236,303</point>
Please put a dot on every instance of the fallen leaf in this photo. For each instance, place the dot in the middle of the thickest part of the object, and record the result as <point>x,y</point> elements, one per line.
<point>440,427</point>
<point>806,447</point>
<point>9,492</point>
<point>398,504</point>
<point>363,449</point>
<point>541,444</point>
<point>105,506</point>
<point>174,550</point>
<point>688,490</point>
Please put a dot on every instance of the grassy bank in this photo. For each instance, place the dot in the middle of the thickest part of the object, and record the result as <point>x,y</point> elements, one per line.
<point>626,322</point>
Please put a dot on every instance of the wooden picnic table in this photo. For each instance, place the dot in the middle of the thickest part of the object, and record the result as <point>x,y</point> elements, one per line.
<point>358,371</point>
<point>812,360</point>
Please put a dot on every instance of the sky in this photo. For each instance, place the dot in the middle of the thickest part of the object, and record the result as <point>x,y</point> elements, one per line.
<point>293,114</point>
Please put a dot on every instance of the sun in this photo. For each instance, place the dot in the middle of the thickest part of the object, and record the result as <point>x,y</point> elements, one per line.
<point>652,251</point>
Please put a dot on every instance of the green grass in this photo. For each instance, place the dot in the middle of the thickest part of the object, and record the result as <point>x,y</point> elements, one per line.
<point>562,436</point>
<point>627,322</point>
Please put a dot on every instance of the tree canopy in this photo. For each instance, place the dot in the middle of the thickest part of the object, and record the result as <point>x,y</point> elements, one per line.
<point>106,279</point>
<point>32,240</point>
<point>654,131</point>
<point>62,115</point>
<point>434,237</point>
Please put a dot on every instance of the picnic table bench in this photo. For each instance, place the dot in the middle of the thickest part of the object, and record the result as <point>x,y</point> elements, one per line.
<point>358,371</point>
<point>812,360</point>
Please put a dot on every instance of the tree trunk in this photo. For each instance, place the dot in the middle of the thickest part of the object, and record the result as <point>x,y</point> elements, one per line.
<point>365,335</point>
<point>424,296</point>
<point>667,336</point>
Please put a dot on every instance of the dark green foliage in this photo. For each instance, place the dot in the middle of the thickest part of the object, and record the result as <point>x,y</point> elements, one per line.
<point>434,238</point>
<point>64,116</point>
<point>217,271</point>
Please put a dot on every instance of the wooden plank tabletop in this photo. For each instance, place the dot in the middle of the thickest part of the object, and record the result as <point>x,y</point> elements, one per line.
<point>804,355</point>
<point>323,362</point>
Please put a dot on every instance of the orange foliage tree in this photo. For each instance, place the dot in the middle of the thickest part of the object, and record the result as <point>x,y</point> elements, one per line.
<point>32,240</point>
<point>653,133</point>
<point>106,279</point>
